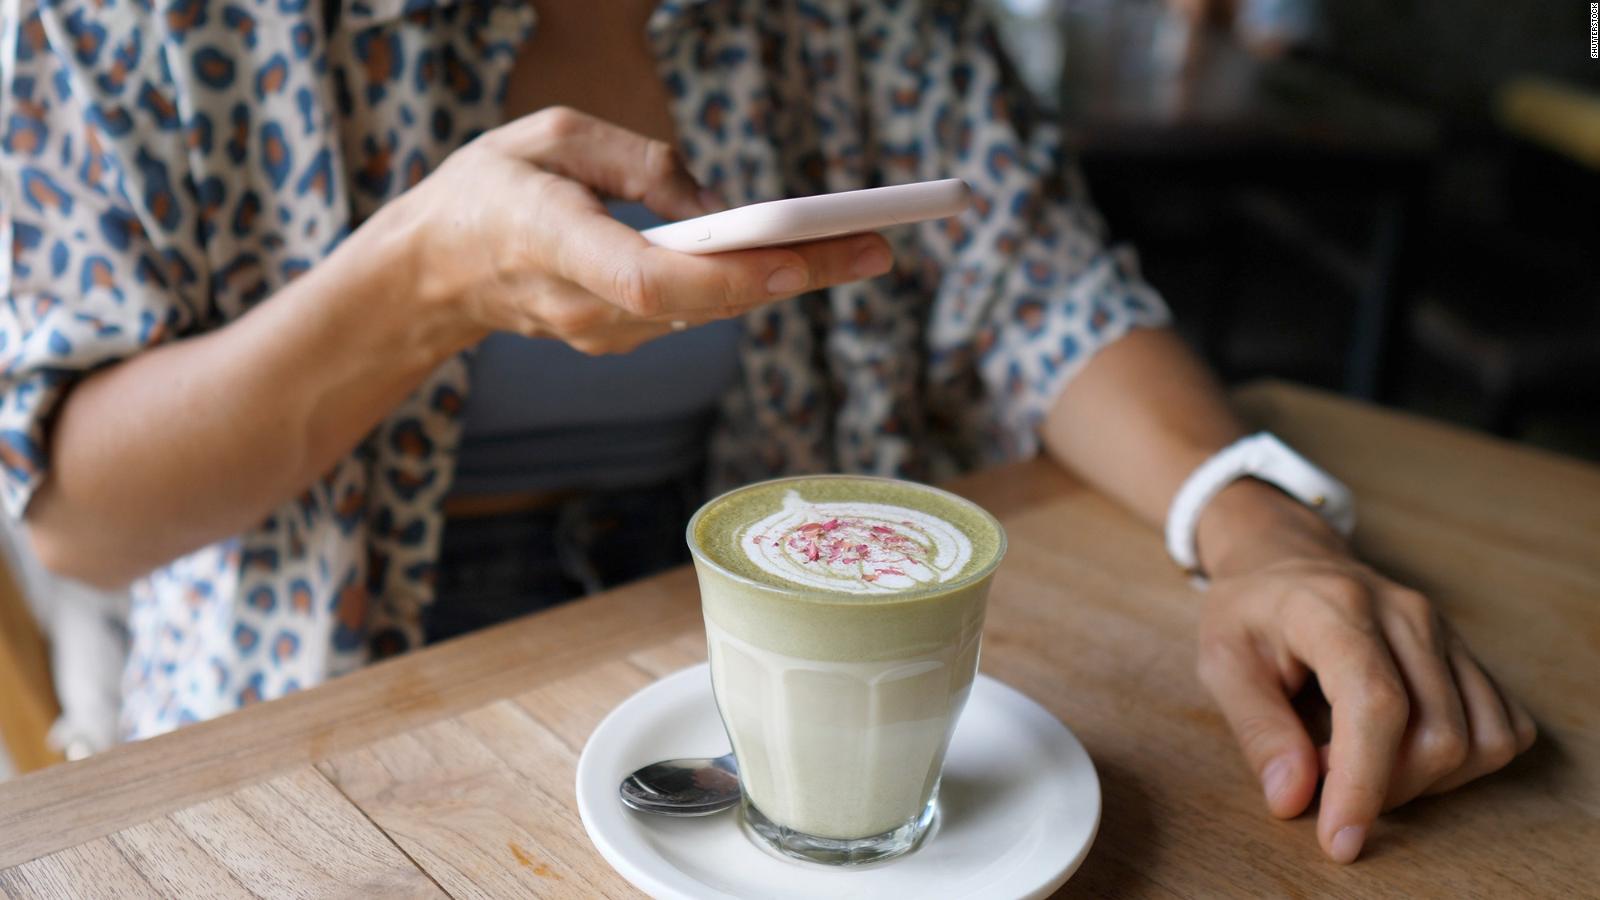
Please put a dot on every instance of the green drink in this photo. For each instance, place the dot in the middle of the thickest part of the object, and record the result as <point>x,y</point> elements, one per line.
<point>843,617</point>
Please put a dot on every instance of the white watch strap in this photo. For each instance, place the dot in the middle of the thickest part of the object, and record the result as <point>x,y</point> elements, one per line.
<point>1264,457</point>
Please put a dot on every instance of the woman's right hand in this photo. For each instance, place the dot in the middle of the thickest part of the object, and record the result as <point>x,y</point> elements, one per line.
<point>507,234</point>
<point>510,234</point>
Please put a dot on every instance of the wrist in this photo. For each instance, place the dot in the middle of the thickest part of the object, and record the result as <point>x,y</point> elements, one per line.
<point>405,303</point>
<point>1250,524</point>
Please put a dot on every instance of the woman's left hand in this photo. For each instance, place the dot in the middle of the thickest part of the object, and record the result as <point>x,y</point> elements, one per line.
<point>1413,711</point>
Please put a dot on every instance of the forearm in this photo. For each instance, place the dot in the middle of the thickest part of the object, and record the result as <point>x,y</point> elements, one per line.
<point>1140,417</point>
<point>200,439</point>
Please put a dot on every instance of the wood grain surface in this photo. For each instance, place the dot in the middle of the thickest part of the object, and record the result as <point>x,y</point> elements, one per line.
<point>293,836</point>
<point>452,769</point>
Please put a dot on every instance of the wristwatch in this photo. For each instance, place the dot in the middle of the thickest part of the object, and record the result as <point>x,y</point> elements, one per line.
<point>1265,458</point>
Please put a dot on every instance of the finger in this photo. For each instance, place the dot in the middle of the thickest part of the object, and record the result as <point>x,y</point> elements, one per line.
<point>1256,705</point>
<point>621,338</point>
<point>1494,739</point>
<point>1522,724</point>
<point>1436,741</point>
<point>608,158</point>
<point>1369,712</point>
<point>564,311</point>
<point>651,282</point>
<point>630,333</point>
<point>822,264</point>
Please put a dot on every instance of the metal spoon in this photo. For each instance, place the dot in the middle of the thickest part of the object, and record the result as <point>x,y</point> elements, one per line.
<point>683,787</point>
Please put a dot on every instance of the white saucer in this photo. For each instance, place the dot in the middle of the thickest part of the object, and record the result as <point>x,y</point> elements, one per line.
<point>1019,807</point>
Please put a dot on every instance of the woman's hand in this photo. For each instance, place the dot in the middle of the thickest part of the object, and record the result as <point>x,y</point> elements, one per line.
<point>1413,712</point>
<point>507,234</point>
<point>510,235</point>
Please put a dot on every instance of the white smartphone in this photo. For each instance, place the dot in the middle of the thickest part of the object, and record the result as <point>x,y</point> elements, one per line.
<point>801,219</point>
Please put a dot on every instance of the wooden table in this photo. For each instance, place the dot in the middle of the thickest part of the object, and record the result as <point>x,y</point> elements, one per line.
<point>451,770</point>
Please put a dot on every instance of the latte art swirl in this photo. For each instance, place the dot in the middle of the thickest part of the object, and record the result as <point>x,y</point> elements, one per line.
<point>855,547</point>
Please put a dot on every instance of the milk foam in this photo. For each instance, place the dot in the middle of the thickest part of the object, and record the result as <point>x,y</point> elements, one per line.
<point>855,547</point>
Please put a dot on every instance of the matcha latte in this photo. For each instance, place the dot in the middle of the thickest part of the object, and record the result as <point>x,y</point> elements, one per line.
<point>842,617</point>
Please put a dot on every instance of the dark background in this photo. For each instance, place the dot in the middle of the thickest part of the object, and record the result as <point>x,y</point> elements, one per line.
<point>1398,203</point>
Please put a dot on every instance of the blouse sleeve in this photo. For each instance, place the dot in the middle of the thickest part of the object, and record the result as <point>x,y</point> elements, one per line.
<point>83,282</point>
<point>1025,285</point>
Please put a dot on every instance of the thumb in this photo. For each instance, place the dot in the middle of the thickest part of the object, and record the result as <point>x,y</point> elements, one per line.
<point>1274,741</point>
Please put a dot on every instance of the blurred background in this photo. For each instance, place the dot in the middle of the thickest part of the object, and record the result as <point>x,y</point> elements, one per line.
<point>1395,199</point>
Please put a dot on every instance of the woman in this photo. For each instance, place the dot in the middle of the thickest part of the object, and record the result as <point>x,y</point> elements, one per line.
<point>248,257</point>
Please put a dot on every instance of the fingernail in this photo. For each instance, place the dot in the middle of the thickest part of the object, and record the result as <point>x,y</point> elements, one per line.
<point>873,261</point>
<point>786,280</point>
<point>1275,780</point>
<point>1347,843</point>
<point>711,201</point>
